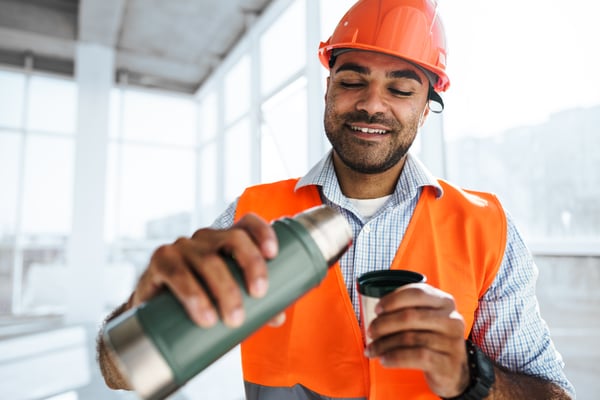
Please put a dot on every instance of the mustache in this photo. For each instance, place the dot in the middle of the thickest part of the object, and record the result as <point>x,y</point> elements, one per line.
<point>365,117</point>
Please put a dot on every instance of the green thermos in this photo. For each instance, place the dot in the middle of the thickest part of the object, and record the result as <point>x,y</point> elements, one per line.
<point>157,346</point>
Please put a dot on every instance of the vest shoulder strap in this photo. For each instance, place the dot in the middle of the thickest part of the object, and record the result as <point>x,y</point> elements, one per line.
<point>277,199</point>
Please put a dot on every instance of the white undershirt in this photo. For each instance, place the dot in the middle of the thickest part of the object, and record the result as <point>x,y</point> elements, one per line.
<point>368,207</point>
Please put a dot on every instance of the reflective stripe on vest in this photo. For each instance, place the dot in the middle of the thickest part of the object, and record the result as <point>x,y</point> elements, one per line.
<point>456,240</point>
<point>296,392</point>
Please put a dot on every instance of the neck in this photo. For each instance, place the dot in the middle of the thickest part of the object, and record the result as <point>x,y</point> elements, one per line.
<point>358,185</point>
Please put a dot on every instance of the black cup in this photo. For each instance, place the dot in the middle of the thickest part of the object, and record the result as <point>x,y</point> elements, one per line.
<point>376,284</point>
<point>379,283</point>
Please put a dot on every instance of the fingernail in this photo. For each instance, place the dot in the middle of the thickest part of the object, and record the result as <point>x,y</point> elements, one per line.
<point>378,309</point>
<point>236,317</point>
<point>270,248</point>
<point>367,352</point>
<point>259,287</point>
<point>208,317</point>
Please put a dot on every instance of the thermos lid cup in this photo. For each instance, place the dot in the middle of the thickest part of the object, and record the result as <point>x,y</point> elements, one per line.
<point>329,230</point>
<point>379,283</point>
<point>376,284</point>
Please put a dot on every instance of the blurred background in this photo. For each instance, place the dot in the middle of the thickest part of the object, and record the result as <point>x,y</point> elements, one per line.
<point>125,124</point>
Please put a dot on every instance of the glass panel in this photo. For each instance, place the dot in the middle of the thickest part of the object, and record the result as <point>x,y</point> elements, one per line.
<point>520,123</point>
<point>11,99</point>
<point>6,276</point>
<point>48,186</point>
<point>284,134</point>
<point>282,47</point>
<point>208,175</point>
<point>114,118</point>
<point>238,166</point>
<point>158,118</point>
<point>208,186</point>
<point>52,105</point>
<point>208,118</point>
<point>154,190</point>
<point>9,182</point>
<point>113,186</point>
<point>10,150</point>
<point>45,275</point>
<point>237,90</point>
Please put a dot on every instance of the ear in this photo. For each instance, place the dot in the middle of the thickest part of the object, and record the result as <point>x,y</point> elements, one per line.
<point>327,87</point>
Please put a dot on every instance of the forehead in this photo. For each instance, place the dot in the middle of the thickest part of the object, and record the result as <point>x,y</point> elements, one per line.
<point>374,61</point>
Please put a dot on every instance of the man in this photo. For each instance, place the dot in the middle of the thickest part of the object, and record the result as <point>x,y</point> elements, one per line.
<point>472,332</point>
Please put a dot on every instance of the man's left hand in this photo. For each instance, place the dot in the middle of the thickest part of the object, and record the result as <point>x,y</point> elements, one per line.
<point>418,327</point>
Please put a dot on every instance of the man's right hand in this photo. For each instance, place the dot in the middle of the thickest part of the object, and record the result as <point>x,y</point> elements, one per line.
<point>177,266</point>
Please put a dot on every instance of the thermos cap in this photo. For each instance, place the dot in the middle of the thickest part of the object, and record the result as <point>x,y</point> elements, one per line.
<point>329,230</point>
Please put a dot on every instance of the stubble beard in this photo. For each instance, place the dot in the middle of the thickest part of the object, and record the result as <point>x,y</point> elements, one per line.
<point>363,156</point>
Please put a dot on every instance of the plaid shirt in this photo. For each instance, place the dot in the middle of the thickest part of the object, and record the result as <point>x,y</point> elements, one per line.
<point>508,326</point>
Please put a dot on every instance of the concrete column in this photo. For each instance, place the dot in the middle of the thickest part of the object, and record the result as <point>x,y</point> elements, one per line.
<point>94,65</point>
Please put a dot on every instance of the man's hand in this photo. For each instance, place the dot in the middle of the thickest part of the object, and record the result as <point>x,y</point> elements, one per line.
<point>418,327</point>
<point>177,266</point>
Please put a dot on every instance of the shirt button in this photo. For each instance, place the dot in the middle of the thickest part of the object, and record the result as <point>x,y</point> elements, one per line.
<point>367,229</point>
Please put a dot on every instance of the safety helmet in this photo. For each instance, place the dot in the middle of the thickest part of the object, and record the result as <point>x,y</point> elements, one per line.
<point>409,29</point>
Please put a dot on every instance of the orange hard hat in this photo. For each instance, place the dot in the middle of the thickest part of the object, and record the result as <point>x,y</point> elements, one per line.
<point>409,29</point>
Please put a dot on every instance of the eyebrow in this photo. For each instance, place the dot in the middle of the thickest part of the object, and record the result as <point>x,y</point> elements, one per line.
<point>398,74</point>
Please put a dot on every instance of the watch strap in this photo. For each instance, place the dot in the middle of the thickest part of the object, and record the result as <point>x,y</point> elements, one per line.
<point>481,371</point>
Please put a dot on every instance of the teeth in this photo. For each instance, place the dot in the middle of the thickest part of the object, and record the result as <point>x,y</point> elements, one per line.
<point>369,130</point>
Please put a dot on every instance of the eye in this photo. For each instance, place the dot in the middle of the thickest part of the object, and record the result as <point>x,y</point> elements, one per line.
<point>351,84</point>
<point>401,93</point>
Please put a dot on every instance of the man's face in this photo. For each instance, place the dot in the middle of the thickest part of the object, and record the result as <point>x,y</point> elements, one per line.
<point>374,105</point>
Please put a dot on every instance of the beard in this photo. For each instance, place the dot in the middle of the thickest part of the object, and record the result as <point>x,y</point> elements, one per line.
<point>364,156</point>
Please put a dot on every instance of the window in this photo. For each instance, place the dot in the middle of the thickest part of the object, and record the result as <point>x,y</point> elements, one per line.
<point>521,116</point>
<point>238,159</point>
<point>282,47</point>
<point>36,177</point>
<point>284,134</point>
<point>151,173</point>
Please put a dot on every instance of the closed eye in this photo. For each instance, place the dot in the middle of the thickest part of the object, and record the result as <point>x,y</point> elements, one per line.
<point>351,85</point>
<point>402,93</point>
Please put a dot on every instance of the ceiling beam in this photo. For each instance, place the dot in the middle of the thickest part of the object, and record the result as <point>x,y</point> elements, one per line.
<point>100,21</point>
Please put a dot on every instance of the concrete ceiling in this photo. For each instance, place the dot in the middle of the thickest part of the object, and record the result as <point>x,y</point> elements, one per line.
<point>168,44</point>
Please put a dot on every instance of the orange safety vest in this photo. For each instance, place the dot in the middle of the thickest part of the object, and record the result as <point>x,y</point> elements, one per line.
<point>456,240</point>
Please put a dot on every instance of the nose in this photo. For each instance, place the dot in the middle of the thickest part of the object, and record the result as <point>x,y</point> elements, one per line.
<point>372,100</point>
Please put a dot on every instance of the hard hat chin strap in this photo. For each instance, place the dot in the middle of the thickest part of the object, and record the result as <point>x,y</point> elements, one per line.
<point>435,97</point>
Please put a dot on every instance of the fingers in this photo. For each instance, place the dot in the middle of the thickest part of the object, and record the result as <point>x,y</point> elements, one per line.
<point>196,272</point>
<point>262,233</point>
<point>412,349</point>
<point>415,295</point>
<point>417,308</point>
<point>251,242</point>
<point>443,360</point>
<point>418,327</point>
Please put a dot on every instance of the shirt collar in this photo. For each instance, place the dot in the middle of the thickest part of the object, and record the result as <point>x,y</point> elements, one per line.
<point>414,177</point>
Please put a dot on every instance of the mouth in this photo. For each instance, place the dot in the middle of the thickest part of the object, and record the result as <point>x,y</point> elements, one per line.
<point>369,130</point>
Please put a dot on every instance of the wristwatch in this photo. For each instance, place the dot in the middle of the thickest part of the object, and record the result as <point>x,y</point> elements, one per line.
<point>482,374</point>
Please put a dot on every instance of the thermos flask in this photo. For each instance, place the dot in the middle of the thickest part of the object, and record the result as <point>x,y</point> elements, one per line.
<point>158,348</point>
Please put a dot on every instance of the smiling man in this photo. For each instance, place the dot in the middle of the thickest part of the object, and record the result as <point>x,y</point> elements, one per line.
<point>375,104</point>
<point>473,331</point>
